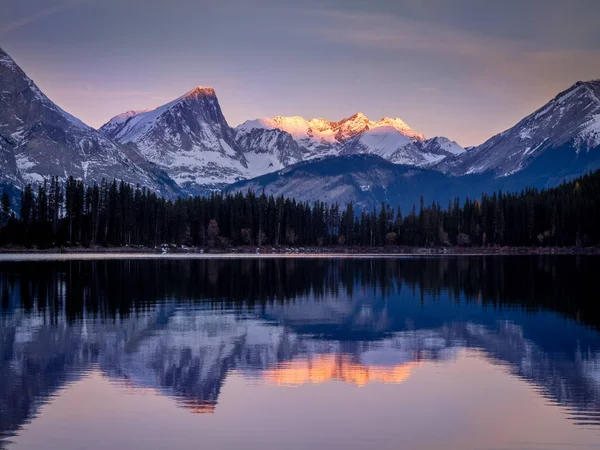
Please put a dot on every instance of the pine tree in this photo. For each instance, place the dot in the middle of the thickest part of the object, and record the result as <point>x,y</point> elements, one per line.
<point>4,209</point>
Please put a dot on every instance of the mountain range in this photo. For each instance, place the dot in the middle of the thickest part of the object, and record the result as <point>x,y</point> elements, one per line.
<point>557,142</point>
<point>186,147</point>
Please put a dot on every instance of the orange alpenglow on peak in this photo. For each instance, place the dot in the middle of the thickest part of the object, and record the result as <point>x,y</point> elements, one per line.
<point>359,115</point>
<point>200,91</point>
<point>325,368</point>
<point>359,118</point>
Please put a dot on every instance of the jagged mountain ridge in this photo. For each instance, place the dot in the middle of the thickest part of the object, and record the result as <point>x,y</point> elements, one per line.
<point>315,132</point>
<point>297,139</point>
<point>188,138</point>
<point>39,140</point>
<point>566,129</point>
<point>202,153</point>
<point>559,141</point>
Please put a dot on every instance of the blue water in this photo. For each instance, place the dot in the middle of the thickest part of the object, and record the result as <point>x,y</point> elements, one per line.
<point>419,353</point>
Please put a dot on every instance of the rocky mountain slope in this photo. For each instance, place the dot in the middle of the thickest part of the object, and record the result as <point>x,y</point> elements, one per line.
<point>39,140</point>
<point>188,138</point>
<point>295,139</point>
<point>559,141</point>
<point>562,138</point>
<point>366,180</point>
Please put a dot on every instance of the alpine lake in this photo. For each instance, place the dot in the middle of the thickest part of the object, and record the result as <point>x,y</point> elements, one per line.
<point>452,352</point>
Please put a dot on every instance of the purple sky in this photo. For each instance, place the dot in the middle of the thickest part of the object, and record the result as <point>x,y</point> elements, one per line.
<point>465,69</point>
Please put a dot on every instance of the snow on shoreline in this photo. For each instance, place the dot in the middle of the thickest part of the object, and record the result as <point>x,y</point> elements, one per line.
<point>17,257</point>
<point>82,256</point>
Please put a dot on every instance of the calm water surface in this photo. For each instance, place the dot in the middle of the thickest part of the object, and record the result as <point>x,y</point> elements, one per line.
<point>429,353</point>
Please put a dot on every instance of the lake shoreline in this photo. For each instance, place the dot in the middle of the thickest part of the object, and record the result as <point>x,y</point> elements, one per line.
<point>274,252</point>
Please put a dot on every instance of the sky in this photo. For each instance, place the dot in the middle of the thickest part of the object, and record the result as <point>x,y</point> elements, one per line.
<point>465,69</point>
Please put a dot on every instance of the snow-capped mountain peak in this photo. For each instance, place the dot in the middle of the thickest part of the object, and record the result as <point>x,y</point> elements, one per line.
<point>129,126</point>
<point>319,130</point>
<point>383,141</point>
<point>401,126</point>
<point>296,126</point>
<point>38,140</point>
<point>440,144</point>
<point>256,124</point>
<point>11,71</point>
<point>348,128</point>
<point>358,117</point>
<point>569,125</point>
<point>589,135</point>
<point>119,119</point>
<point>389,138</point>
<point>188,138</point>
<point>200,91</point>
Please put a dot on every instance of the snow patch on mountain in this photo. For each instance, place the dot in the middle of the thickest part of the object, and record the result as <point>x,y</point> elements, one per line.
<point>188,138</point>
<point>383,141</point>
<point>571,119</point>
<point>39,140</point>
<point>441,146</point>
<point>261,163</point>
<point>590,134</point>
<point>321,131</point>
<point>399,126</point>
<point>136,123</point>
<point>389,138</point>
<point>120,119</point>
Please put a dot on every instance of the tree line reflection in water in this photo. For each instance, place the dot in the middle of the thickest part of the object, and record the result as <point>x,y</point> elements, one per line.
<point>156,324</point>
<point>564,284</point>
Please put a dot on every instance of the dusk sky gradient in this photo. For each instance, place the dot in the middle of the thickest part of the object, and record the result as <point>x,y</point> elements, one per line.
<point>465,69</point>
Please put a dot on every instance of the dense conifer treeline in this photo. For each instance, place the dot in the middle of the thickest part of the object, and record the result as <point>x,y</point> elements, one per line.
<point>114,214</point>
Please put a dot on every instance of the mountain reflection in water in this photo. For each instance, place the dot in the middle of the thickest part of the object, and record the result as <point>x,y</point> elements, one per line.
<point>181,327</point>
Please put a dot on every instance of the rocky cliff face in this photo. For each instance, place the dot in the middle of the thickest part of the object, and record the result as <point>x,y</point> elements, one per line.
<point>389,138</point>
<point>39,140</point>
<point>188,138</point>
<point>191,141</point>
<point>566,130</point>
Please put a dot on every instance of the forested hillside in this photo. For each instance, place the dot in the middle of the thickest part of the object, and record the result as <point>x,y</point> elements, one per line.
<point>115,214</point>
